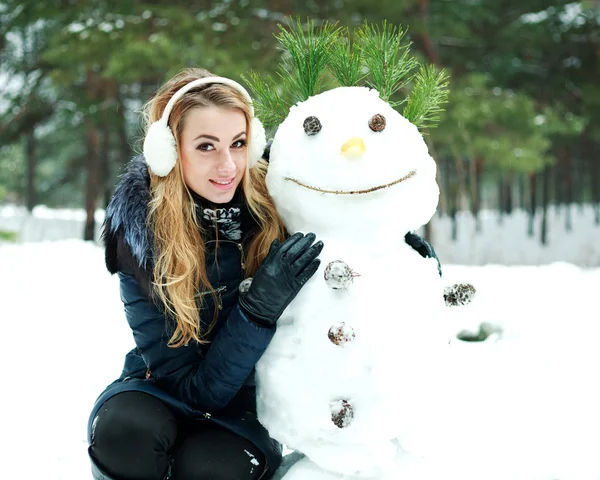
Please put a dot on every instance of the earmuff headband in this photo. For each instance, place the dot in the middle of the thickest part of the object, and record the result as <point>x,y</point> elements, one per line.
<point>160,148</point>
<point>204,81</point>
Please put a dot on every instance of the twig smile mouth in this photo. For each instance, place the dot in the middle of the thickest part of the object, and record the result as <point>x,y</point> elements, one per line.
<point>353,192</point>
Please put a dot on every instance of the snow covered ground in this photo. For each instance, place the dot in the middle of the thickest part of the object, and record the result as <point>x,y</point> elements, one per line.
<point>65,337</point>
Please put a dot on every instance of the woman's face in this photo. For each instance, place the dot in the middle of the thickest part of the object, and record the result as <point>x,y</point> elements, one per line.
<point>213,151</point>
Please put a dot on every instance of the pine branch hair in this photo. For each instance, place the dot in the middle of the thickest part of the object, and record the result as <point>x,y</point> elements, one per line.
<point>318,59</point>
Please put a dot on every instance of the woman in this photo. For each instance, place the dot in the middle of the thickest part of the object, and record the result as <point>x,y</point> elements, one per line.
<point>188,223</point>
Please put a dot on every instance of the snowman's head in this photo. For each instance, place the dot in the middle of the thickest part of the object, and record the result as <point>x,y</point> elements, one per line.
<point>345,159</point>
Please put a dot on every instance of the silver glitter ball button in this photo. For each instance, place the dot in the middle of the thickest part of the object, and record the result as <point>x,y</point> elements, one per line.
<point>342,413</point>
<point>341,333</point>
<point>338,275</point>
<point>245,285</point>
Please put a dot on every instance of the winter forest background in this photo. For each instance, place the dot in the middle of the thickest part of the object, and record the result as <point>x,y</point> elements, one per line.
<point>519,141</point>
<point>520,135</point>
<point>518,155</point>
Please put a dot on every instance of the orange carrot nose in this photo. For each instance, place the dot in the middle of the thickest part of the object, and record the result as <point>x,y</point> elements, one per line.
<point>353,147</point>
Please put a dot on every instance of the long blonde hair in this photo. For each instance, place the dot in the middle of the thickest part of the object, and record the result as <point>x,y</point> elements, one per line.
<point>180,262</point>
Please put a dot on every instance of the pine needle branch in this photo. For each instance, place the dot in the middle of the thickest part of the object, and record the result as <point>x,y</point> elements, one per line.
<point>389,62</point>
<point>345,63</point>
<point>269,98</point>
<point>430,92</point>
<point>309,53</point>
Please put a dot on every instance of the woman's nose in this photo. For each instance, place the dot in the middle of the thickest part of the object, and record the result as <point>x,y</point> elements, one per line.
<point>226,163</point>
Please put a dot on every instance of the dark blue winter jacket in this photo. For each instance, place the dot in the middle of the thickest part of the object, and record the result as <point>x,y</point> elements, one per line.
<point>211,382</point>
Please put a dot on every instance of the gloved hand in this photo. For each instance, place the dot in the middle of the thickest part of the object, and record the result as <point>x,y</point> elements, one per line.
<point>422,247</point>
<point>284,271</point>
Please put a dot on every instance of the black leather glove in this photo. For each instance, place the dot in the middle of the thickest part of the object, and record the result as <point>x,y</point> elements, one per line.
<point>422,247</point>
<point>284,271</point>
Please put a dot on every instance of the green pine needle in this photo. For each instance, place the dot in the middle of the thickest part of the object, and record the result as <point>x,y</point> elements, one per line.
<point>430,91</point>
<point>389,62</point>
<point>309,51</point>
<point>269,98</point>
<point>317,59</point>
<point>346,63</point>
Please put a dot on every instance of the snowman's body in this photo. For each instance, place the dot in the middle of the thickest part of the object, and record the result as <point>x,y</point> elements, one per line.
<point>351,350</point>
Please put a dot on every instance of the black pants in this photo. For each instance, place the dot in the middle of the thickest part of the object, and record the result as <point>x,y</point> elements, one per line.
<point>136,437</point>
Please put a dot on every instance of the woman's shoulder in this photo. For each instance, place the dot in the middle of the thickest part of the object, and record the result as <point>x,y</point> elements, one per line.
<point>126,238</point>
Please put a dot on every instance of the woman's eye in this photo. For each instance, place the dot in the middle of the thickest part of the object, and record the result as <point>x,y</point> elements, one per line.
<point>239,144</point>
<point>206,147</point>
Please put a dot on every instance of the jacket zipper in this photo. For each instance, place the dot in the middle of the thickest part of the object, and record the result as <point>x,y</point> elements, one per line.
<point>242,257</point>
<point>220,299</point>
<point>240,248</point>
<point>218,291</point>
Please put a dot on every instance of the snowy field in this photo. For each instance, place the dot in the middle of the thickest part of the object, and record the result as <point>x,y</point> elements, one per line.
<point>526,400</point>
<point>65,337</point>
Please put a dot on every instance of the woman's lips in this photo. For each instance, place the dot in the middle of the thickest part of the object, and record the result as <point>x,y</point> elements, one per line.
<point>223,184</point>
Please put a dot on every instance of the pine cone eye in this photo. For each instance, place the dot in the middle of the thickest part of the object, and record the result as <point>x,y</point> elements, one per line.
<point>312,125</point>
<point>377,123</point>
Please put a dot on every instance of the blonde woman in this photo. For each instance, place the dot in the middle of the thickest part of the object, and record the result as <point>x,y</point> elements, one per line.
<point>189,221</point>
<point>189,224</point>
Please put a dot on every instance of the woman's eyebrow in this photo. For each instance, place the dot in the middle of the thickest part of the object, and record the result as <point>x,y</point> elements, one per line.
<point>210,137</point>
<point>215,139</point>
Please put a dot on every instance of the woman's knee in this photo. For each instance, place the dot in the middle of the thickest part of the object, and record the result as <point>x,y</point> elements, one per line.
<point>132,434</point>
<point>214,453</point>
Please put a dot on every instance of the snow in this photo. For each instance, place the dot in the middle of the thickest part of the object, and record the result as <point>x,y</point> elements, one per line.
<point>316,161</point>
<point>409,399</point>
<point>404,397</point>
<point>66,337</point>
<point>360,191</point>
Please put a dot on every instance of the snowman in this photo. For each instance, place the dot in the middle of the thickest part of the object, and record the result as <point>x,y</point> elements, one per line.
<point>360,351</point>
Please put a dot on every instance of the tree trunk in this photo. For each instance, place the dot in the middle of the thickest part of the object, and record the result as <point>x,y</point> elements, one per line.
<point>460,174</point>
<point>593,156</point>
<point>476,173</point>
<point>545,192</point>
<point>505,205</point>
<point>124,148</point>
<point>522,188</point>
<point>532,203</point>
<point>93,181</point>
<point>501,199</point>
<point>423,37</point>
<point>595,180</point>
<point>508,193</point>
<point>105,163</point>
<point>566,179</point>
<point>30,196</point>
<point>462,183</point>
<point>451,195</point>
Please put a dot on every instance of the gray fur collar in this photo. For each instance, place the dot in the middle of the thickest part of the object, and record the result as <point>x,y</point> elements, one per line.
<point>126,217</point>
<point>129,240</point>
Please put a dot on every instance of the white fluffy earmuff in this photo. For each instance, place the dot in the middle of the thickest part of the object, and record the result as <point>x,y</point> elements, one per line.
<point>160,150</point>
